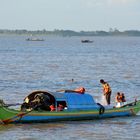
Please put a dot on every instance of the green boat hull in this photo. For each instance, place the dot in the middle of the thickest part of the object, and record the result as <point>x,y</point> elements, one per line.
<point>8,115</point>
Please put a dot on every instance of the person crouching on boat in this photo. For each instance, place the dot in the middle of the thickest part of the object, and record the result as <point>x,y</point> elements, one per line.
<point>123,100</point>
<point>120,99</point>
<point>123,97</point>
<point>106,91</point>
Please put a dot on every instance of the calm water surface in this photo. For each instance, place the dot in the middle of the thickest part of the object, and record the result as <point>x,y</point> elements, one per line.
<point>51,64</point>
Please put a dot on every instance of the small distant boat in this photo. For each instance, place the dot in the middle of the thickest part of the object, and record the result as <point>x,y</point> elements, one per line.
<point>34,39</point>
<point>86,41</point>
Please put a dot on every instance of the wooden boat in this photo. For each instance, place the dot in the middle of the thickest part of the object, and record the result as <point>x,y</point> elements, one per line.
<point>76,107</point>
<point>34,39</point>
<point>86,41</point>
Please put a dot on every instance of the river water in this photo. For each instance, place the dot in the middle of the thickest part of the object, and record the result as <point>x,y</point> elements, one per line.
<point>51,65</point>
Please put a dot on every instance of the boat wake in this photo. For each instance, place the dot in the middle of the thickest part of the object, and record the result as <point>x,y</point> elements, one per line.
<point>103,101</point>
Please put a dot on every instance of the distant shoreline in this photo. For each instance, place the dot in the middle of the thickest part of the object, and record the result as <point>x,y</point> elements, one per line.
<point>66,33</point>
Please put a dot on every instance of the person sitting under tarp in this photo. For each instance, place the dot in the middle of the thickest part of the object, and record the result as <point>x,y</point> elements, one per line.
<point>52,107</point>
<point>60,107</point>
<point>40,102</point>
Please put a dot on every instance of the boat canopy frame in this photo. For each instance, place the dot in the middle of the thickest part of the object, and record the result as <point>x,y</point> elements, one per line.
<point>73,100</point>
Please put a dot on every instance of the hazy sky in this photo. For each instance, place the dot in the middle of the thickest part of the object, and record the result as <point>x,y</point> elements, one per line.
<point>70,14</point>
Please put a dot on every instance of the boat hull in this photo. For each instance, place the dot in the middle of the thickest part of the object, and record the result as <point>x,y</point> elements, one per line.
<point>14,116</point>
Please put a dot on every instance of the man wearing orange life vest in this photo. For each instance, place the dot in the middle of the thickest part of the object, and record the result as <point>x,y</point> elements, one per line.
<point>106,91</point>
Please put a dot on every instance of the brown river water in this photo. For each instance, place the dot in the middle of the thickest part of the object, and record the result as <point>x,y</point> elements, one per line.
<point>26,66</point>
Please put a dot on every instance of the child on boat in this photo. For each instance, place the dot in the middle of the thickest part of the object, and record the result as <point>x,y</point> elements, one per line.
<point>60,107</point>
<point>120,99</point>
<point>52,107</point>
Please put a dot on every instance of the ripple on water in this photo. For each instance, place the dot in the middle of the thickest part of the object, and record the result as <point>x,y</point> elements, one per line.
<point>51,64</point>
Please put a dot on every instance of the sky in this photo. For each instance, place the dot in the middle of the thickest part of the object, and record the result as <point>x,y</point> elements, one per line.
<point>77,15</point>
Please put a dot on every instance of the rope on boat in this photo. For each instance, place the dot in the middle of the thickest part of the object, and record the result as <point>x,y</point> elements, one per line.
<point>102,109</point>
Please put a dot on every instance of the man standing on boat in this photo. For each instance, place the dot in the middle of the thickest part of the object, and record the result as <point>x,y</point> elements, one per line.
<point>106,91</point>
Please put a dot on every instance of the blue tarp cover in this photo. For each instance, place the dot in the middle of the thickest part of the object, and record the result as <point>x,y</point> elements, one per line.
<point>76,101</point>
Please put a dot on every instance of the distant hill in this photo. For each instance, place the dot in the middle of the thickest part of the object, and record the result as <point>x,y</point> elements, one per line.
<point>112,32</point>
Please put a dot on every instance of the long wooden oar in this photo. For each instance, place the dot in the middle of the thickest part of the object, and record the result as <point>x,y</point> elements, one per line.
<point>130,104</point>
<point>18,116</point>
<point>7,105</point>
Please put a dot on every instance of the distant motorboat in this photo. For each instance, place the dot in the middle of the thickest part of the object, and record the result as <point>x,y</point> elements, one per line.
<point>86,41</point>
<point>34,39</point>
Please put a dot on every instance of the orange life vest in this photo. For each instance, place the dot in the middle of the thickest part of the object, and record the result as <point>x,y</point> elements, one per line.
<point>106,88</point>
<point>118,98</point>
<point>52,107</point>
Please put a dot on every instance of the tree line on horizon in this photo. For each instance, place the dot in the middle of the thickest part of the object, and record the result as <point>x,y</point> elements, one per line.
<point>56,32</point>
